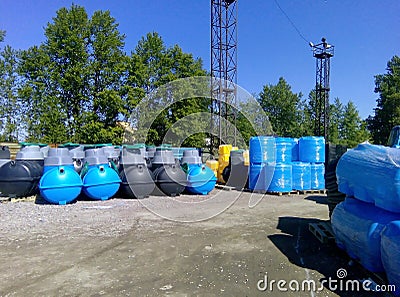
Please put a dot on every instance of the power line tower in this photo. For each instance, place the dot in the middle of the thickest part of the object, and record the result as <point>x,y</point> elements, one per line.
<point>322,52</point>
<point>224,69</point>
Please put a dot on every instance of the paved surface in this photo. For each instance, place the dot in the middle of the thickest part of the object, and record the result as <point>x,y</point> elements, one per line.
<point>120,248</point>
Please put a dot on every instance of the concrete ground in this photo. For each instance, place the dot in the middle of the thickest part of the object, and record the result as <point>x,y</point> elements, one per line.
<point>121,248</point>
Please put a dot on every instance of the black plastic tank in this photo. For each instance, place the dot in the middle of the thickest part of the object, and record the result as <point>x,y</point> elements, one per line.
<point>137,179</point>
<point>20,178</point>
<point>168,174</point>
<point>236,173</point>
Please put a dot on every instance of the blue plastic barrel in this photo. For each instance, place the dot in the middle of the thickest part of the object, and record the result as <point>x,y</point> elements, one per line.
<point>390,249</point>
<point>262,149</point>
<point>317,176</point>
<point>284,149</point>
<point>301,176</point>
<point>371,173</point>
<point>312,149</point>
<point>282,178</point>
<point>260,176</point>
<point>295,149</point>
<point>357,227</point>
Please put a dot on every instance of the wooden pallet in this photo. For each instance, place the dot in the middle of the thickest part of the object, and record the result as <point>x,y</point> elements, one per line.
<point>323,231</point>
<point>312,192</point>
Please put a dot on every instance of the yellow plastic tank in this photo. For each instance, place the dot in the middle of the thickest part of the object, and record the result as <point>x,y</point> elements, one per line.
<point>213,165</point>
<point>246,157</point>
<point>224,149</point>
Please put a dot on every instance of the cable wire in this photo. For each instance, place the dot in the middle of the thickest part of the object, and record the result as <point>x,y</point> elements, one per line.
<point>291,22</point>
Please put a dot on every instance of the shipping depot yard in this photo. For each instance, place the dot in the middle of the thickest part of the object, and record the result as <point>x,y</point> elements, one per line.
<point>199,148</point>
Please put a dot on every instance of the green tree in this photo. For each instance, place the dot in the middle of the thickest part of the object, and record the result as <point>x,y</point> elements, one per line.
<point>2,35</point>
<point>353,128</point>
<point>336,117</point>
<point>281,106</point>
<point>387,112</point>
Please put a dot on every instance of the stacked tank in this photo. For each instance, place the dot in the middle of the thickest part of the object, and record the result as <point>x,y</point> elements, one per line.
<point>370,177</point>
<point>200,178</point>
<point>282,178</point>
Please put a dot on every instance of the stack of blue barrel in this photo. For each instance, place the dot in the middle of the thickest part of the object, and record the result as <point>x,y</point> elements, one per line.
<point>282,178</point>
<point>367,223</point>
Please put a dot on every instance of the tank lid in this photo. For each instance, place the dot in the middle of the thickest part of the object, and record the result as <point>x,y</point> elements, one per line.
<point>110,152</point>
<point>77,152</point>
<point>191,157</point>
<point>58,157</point>
<point>163,156</point>
<point>95,157</point>
<point>31,152</point>
<point>132,157</point>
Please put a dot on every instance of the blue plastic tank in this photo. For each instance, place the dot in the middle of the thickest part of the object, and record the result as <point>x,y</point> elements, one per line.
<point>282,178</point>
<point>312,149</point>
<point>260,176</point>
<point>390,253</point>
<point>371,173</point>
<point>262,149</point>
<point>317,176</point>
<point>60,183</point>
<point>200,179</point>
<point>301,176</point>
<point>283,149</point>
<point>357,227</point>
<point>100,181</point>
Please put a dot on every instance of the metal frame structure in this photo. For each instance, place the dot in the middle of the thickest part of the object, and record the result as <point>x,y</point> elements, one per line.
<point>224,70</point>
<point>322,52</point>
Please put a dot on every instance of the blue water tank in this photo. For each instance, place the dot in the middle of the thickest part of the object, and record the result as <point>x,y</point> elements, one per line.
<point>312,149</point>
<point>357,227</point>
<point>60,183</point>
<point>262,149</point>
<point>371,173</point>
<point>301,176</point>
<point>200,179</point>
<point>260,176</point>
<point>295,149</point>
<point>100,181</point>
<point>390,252</point>
<point>317,176</point>
<point>284,149</point>
<point>282,178</point>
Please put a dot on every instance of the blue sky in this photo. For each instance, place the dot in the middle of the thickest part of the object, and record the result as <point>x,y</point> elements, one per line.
<point>366,34</point>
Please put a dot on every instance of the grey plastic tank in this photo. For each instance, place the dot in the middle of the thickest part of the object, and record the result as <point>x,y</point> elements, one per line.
<point>191,157</point>
<point>31,153</point>
<point>112,155</point>
<point>137,179</point>
<point>77,154</point>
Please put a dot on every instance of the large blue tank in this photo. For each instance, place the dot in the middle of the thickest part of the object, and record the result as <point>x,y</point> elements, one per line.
<point>312,149</point>
<point>260,176</point>
<point>390,249</point>
<point>60,183</point>
<point>295,149</point>
<point>262,149</point>
<point>301,176</point>
<point>282,179</point>
<point>100,181</point>
<point>200,178</point>
<point>371,173</point>
<point>284,149</point>
<point>317,176</point>
<point>357,226</point>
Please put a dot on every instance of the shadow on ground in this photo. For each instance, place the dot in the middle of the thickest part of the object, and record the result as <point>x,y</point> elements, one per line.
<point>303,249</point>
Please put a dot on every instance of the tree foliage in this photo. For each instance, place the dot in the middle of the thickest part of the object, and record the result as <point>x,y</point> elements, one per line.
<point>387,112</point>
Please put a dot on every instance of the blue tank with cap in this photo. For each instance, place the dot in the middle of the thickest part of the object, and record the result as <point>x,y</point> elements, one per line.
<point>100,181</point>
<point>60,183</point>
<point>200,178</point>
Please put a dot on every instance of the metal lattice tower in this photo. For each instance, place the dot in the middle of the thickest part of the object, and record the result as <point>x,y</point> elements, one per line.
<point>224,68</point>
<point>322,52</point>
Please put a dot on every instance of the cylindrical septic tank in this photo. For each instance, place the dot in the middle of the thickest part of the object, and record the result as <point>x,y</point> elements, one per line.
<point>371,173</point>
<point>20,178</point>
<point>100,181</point>
<point>236,173</point>
<point>112,153</point>
<point>260,176</point>
<point>282,179</point>
<point>284,147</point>
<point>200,178</point>
<point>295,150</point>
<point>32,154</point>
<point>301,176</point>
<point>137,179</point>
<point>262,149</point>
<point>168,174</point>
<point>358,227</point>
<point>317,176</point>
<point>60,183</point>
<point>312,149</point>
<point>390,254</point>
